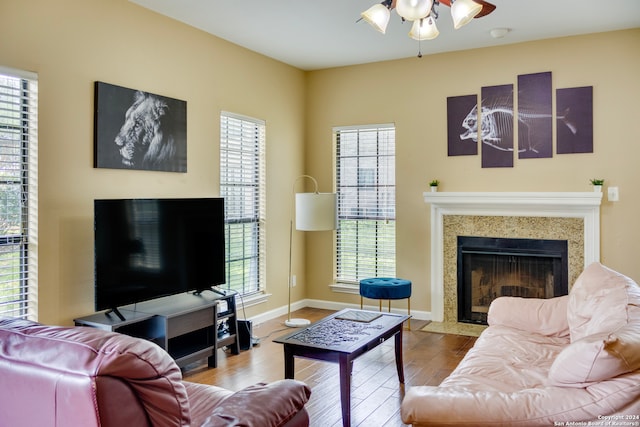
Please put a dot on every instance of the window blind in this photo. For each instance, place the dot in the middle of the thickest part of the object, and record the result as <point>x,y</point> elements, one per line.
<point>365,181</point>
<point>242,147</point>
<point>18,193</point>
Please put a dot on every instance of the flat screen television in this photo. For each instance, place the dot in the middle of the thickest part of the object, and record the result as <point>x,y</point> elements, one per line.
<point>149,248</point>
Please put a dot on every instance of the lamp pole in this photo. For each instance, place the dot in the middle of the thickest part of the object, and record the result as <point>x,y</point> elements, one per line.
<point>317,212</point>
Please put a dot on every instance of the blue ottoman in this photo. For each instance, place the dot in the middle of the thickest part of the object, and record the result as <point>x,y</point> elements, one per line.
<point>386,288</point>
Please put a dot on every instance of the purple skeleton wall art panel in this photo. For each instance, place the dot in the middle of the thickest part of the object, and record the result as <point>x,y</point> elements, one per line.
<point>574,112</point>
<point>535,116</point>
<point>461,140</point>
<point>496,126</point>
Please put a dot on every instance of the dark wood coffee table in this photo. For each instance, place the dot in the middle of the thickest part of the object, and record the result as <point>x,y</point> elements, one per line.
<point>336,339</point>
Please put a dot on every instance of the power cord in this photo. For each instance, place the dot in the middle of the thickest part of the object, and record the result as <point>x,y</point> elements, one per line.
<point>254,340</point>
<point>273,332</point>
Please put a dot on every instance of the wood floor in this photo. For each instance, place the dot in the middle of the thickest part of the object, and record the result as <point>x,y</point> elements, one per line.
<point>375,391</point>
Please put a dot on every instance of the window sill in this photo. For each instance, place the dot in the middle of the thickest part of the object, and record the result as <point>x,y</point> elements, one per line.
<point>345,288</point>
<point>253,299</point>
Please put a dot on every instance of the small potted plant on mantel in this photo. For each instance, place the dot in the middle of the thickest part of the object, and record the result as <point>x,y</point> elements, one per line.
<point>434,185</point>
<point>597,184</point>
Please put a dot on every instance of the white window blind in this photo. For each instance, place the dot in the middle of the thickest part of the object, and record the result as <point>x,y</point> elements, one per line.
<point>242,147</point>
<point>18,193</point>
<point>365,181</point>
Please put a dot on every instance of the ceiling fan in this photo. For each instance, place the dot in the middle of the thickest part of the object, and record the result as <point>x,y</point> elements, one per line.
<point>487,7</point>
<point>423,14</point>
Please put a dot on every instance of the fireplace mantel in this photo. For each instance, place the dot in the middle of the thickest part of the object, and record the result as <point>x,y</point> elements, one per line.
<point>493,202</point>
<point>584,205</point>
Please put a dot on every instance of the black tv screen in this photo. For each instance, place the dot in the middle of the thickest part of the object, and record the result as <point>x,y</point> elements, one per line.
<point>148,248</point>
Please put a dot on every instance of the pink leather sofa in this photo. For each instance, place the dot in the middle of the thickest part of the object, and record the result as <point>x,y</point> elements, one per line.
<point>568,360</point>
<point>84,377</point>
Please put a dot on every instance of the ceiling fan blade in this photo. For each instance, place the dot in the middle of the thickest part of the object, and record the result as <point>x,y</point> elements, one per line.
<point>487,7</point>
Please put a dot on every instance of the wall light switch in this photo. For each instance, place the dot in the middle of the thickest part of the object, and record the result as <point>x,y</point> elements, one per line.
<point>612,194</point>
<point>293,281</point>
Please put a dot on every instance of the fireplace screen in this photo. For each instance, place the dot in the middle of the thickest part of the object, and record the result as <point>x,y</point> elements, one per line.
<point>493,267</point>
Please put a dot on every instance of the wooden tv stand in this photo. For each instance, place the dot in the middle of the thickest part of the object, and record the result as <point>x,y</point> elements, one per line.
<point>185,325</point>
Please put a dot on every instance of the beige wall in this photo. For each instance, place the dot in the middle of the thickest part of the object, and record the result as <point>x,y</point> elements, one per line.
<point>412,93</point>
<point>73,43</point>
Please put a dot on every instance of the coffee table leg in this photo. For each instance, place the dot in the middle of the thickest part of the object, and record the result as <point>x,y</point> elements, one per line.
<point>345,389</point>
<point>399,364</point>
<point>288,363</point>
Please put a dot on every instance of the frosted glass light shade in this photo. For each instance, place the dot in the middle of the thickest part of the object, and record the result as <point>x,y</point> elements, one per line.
<point>424,29</point>
<point>316,211</point>
<point>377,16</point>
<point>463,11</point>
<point>412,10</point>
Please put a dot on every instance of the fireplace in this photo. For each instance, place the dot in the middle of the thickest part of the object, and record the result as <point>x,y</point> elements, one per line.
<point>491,267</point>
<point>570,216</point>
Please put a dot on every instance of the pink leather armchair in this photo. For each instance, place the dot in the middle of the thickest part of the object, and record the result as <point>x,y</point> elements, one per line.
<point>70,377</point>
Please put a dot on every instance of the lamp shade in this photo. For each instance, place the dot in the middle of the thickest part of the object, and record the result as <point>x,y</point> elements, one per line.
<point>316,211</point>
<point>377,16</point>
<point>463,11</point>
<point>413,9</point>
<point>424,29</point>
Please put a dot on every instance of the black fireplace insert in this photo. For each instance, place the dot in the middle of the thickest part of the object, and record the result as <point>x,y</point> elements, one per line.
<point>490,267</point>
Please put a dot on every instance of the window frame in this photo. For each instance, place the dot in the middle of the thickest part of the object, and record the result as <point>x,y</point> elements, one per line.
<point>253,257</point>
<point>19,271</point>
<point>380,213</point>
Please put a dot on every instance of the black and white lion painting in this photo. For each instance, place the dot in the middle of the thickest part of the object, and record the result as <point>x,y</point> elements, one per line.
<point>139,130</point>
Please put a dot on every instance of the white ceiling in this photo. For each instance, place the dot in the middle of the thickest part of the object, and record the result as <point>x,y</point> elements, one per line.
<point>312,35</point>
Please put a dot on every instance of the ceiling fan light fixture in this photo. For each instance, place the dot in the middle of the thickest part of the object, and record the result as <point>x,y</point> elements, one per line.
<point>412,10</point>
<point>463,11</point>
<point>424,29</point>
<point>377,16</point>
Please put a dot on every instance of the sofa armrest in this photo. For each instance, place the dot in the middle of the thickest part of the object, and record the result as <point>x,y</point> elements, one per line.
<point>459,406</point>
<point>543,316</point>
<point>454,406</point>
<point>261,405</point>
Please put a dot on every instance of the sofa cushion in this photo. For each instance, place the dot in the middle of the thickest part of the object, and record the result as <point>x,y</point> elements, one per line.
<point>543,316</point>
<point>247,407</point>
<point>597,357</point>
<point>604,321</point>
<point>203,399</point>
<point>598,301</point>
<point>506,360</point>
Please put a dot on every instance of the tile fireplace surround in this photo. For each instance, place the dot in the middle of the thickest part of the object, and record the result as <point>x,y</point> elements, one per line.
<point>571,216</point>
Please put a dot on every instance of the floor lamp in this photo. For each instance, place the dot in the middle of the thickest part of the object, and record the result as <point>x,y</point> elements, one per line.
<point>313,212</point>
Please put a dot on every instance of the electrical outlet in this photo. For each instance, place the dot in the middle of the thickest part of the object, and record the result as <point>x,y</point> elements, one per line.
<point>612,194</point>
<point>294,282</point>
